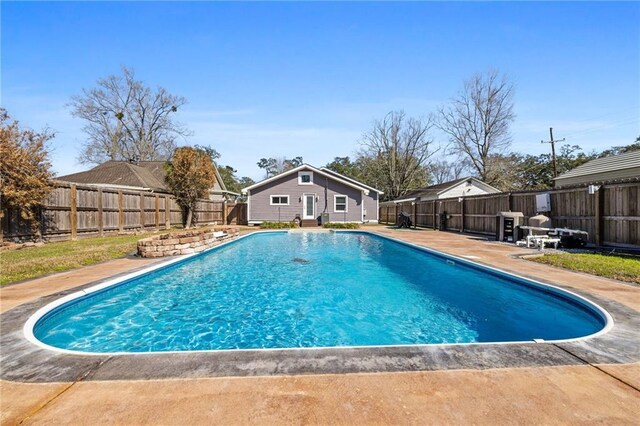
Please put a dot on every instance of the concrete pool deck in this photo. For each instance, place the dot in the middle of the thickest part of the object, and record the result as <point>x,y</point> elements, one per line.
<point>578,391</point>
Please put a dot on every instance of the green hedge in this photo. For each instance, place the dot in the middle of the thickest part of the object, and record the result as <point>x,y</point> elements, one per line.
<point>278,225</point>
<point>341,225</point>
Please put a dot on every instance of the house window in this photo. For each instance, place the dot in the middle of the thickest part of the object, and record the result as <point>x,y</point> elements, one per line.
<point>340,203</point>
<point>305,178</point>
<point>279,200</point>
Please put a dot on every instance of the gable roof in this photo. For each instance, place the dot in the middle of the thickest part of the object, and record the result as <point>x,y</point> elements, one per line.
<point>614,163</point>
<point>351,180</point>
<point>305,166</point>
<point>143,174</point>
<point>439,188</point>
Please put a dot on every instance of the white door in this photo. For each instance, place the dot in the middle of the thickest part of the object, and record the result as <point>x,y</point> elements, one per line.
<point>309,206</point>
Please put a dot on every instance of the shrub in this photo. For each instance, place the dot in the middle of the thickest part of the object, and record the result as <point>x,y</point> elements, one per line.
<point>190,174</point>
<point>341,225</point>
<point>278,225</point>
<point>25,170</point>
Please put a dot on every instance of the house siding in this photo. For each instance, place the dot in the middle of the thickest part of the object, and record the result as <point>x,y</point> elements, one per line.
<point>370,200</point>
<point>461,190</point>
<point>371,206</point>
<point>216,197</point>
<point>260,208</point>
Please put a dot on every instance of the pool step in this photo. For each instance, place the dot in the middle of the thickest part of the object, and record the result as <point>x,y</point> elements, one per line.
<point>308,223</point>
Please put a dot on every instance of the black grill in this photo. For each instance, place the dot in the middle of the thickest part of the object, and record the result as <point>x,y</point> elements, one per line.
<point>404,220</point>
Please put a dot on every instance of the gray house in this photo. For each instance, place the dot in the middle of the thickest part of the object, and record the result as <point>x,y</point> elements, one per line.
<point>306,193</point>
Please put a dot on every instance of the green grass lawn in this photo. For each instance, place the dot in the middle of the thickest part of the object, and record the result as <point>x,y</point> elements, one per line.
<point>618,267</point>
<point>33,262</point>
<point>16,265</point>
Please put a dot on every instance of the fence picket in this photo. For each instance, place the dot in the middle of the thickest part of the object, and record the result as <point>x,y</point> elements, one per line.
<point>77,211</point>
<point>611,216</point>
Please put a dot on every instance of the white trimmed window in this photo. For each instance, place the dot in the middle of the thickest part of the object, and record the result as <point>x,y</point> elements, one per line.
<point>305,178</point>
<point>340,203</point>
<point>279,200</point>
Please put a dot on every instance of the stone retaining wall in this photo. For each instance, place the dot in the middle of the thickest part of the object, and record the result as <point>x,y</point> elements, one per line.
<point>183,243</point>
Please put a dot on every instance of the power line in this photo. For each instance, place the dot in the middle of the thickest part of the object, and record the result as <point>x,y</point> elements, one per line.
<point>618,123</point>
<point>611,115</point>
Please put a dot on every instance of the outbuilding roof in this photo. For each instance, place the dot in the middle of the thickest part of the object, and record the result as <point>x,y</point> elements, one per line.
<point>439,188</point>
<point>605,165</point>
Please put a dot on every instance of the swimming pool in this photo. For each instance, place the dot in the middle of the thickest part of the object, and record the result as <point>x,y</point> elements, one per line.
<point>298,290</point>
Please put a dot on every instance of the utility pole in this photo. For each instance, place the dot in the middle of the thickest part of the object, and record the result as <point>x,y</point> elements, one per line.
<point>553,150</point>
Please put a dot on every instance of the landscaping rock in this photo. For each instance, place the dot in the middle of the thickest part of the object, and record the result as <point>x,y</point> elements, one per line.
<point>187,242</point>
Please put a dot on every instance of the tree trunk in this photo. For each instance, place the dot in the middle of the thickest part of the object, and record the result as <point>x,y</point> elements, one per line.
<point>189,217</point>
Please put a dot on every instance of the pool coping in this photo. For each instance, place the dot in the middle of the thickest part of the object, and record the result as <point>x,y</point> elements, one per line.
<point>24,360</point>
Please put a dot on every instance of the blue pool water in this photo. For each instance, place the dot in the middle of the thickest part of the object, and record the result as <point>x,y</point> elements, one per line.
<point>281,290</point>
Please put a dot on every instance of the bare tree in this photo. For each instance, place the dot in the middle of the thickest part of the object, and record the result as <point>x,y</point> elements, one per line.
<point>126,119</point>
<point>275,166</point>
<point>395,153</point>
<point>442,170</point>
<point>478,119</point>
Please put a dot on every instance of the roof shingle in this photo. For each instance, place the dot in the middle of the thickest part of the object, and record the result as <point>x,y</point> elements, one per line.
<point>606,164</point>
<point>145,174</point>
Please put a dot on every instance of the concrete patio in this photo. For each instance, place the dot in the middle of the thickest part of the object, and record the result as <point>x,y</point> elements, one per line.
<point>585,391</point>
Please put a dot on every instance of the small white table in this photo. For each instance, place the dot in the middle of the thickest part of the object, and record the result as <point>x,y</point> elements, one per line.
<point>539,241</point>
<point>551,235</point>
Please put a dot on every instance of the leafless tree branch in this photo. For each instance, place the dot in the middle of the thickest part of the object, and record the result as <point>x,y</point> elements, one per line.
<point>396,152</point>
<point>126,119</point>
<point>478,119</point>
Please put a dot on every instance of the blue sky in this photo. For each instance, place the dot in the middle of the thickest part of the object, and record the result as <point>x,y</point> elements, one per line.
<point>288,79</point>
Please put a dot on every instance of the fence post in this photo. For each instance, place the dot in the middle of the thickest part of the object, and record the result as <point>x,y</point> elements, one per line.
<point>510,201</point>
<point>435,216</point>
<point>120,212</point>
<point>157,212</point>
<point>142,210</point>
<point>73,195</point>
<point>225,212</point>
<point>100,219</point>
<point>41,225</point>
<point>167,212</point>
<point>10,223</point>
<point>462,215</point>
<point>415,215</point>
<point>599,237</point>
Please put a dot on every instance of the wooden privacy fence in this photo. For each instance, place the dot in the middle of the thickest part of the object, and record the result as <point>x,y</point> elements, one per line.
<point>611,215</point>
<point>236,214</point>
<point>71,211</point>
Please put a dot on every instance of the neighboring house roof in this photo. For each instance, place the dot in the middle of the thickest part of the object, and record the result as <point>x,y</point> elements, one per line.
<point>615,167</point>
<point>350,182</point>
<point>434,190</point>
<point>223,187</point>
<point>324,169</point>
<point>143,174</point>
